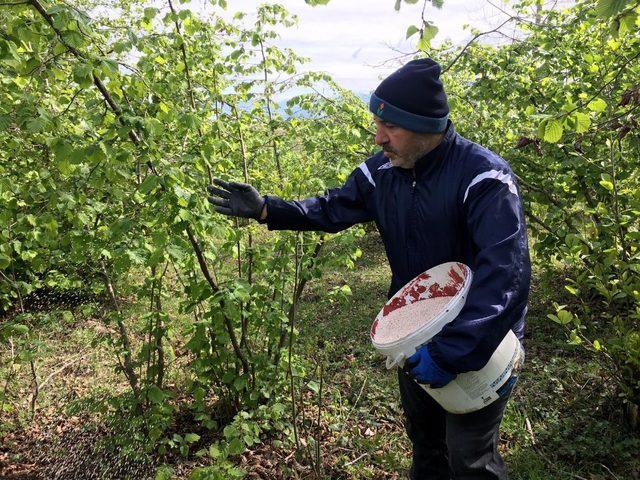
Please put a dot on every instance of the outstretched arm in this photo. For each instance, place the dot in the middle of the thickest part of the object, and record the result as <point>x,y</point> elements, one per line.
<point>338,209</point>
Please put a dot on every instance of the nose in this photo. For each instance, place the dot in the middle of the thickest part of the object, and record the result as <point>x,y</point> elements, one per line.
<point>381,135</point>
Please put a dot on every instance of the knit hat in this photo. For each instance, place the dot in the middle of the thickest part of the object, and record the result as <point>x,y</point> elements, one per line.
<point>412,97</point>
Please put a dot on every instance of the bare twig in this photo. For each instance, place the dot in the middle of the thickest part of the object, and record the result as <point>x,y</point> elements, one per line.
<point>355,404</point>
<point>296,297</point>
<point>616,206</point>
<point>476,37</point>
<point>36,388</point>
<point>290,364</point>
<point>530,430</point>
<point>318,460</point>
<point>274,144</point>
<point>535,188</point>
<point>357,459</point>
<point>582,104</point>
<point>608,470</point>
<point>39,385</point>
<point>124,337</point>
<point>9,375</point>
<point>544,225</point>
<point>73,99</point>
<point>59,370</point>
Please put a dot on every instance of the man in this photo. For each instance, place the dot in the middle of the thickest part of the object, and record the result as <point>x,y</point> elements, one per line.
<point>435,197</point>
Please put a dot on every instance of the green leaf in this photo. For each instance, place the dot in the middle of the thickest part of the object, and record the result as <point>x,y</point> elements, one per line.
<point>564,316</point>
<point>628,23</point>
<point>149,13</point>
<point>396,7</point>
<point>571,290</point>
<point>609,8</point>
<point>191,437</point>
<point>574,339</point>
<point>4,261</point>
<point>82,74</point>
<point>607,185</point>
<point>13,329</point>
<point>73,38</point>
<point>155,394</point>
<point>553,131</point>
<point>149,183</point>
<point>65,167</point>
<point>165,472</point>
<point>597,105</point>
<point>541,128</point>
<point>240,383</point>
<point>215,452</point>
<point>554,318</point>
<point>236,447</point>
<point>314,387</point>
<point>412,30</point>
<point>596,345</point>
<point>428,33</point>
<point>5,122</point>
<point>583,122</point>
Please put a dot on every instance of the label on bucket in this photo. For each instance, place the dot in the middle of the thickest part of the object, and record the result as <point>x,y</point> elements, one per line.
<point>473,384</point>
<point>477,384</point>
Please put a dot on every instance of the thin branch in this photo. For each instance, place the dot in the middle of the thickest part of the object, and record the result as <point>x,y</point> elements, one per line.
<point>73,99</point>
<point>473,40</point>
<point>354,461</point>
<point>605,85</point>
<point>33,397</point>
<point>544,225</point>
<point>124,337</point>
<point>540,190</point>
<point>274,144</point>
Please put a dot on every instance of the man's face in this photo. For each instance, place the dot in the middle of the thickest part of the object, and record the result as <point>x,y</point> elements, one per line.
<point>401,146</point>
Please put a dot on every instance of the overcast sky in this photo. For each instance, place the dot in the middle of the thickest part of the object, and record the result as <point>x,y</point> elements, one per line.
<point>354,40</point>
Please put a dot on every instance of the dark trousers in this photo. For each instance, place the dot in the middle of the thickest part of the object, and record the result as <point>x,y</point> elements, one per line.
<point>451,446</point>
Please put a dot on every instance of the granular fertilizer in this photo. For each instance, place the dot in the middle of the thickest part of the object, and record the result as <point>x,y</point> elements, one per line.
<point>403,321</point>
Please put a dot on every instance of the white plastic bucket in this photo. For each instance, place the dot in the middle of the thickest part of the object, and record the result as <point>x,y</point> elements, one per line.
<point>469,391</point>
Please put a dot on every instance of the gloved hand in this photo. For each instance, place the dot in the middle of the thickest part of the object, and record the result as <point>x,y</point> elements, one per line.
<point>236,199</point>
<point>422,367</point>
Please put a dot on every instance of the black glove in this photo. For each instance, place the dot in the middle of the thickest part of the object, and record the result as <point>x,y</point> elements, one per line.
<point>236,199</point>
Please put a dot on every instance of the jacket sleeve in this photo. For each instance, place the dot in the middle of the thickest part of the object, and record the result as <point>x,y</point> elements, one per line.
<point>339,209</point>
<point>498,295</point>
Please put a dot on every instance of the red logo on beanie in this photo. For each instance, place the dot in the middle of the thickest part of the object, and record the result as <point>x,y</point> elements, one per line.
<point>380,109</point>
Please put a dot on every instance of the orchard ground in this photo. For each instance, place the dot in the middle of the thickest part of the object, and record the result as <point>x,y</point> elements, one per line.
<point>564,421</point>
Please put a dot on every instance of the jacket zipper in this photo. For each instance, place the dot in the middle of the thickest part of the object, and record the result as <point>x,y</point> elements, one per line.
<point>411,227</point>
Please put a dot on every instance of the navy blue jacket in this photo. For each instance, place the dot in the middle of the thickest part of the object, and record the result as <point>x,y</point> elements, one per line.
<point>459,203</point>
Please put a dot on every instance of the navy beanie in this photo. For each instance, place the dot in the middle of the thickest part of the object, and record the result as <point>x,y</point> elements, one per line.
<point>412,97</point>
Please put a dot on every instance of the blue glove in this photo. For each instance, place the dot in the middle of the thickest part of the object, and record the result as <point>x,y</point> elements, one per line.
<point>421,366</point>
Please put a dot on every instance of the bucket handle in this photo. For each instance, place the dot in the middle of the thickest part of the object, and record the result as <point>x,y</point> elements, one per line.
<point>397,361</point>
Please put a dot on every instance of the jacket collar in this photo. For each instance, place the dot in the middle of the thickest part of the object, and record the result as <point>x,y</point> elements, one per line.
<point>434,156</point>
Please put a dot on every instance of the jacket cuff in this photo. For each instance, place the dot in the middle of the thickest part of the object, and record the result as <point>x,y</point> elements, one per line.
<point>265,204</point>
<point>278,213</point>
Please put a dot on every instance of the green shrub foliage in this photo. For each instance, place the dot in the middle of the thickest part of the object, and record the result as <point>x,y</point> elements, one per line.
<point>113,121</point>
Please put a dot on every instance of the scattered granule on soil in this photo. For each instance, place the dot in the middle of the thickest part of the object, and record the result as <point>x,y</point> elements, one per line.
<point>402,321</point>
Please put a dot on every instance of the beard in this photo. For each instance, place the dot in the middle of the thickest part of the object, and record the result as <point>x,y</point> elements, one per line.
<point>409,156</point>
